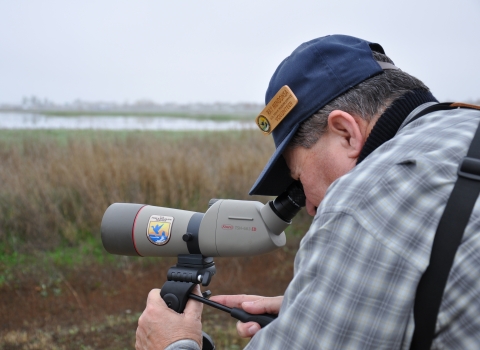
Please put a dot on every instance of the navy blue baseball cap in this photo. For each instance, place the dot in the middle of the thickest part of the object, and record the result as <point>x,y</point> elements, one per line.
<point>317,72</point>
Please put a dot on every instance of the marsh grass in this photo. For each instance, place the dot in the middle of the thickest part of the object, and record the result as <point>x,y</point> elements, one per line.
<point>55,189</point>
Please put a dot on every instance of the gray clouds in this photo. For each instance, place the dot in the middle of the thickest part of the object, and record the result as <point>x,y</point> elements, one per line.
<point>208,51</point>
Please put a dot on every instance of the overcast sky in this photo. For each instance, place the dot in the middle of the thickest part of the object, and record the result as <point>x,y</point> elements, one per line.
<point>219,50</point>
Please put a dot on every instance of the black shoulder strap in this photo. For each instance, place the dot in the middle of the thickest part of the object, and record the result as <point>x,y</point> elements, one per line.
<point>442,107</point>
<point>447,239</point>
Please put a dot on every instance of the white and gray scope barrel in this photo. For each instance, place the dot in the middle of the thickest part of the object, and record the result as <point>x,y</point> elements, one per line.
<point>228,228</point>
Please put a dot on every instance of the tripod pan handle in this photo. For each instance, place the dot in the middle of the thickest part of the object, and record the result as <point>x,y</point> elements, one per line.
<point>261,319</point>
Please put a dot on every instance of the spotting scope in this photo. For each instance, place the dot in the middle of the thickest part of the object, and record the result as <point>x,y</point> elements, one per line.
<point>228,228</point>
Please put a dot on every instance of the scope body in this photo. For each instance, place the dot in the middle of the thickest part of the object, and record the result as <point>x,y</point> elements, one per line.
<point>228,228</point>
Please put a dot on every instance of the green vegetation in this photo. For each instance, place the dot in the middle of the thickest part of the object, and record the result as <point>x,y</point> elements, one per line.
<point>17,138</point>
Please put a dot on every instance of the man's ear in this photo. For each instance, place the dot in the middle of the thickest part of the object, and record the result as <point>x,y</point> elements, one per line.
<point>351,131</point>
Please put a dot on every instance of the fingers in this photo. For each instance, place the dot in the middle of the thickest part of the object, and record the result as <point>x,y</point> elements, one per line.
<point>234,300</point>
<point>155,298</point>
<point>251,303</point>
<point>247,330</point>
<point>264,305</point>
<point>194,308</point>
<point>196,290</point>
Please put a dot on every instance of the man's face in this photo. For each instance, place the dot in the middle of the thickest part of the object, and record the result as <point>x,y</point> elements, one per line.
<point>317,167</point>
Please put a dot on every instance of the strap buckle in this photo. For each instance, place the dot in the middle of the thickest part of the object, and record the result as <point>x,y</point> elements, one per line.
<point>470,168</point>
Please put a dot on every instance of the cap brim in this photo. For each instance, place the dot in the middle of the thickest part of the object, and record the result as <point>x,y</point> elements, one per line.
<point>275,176</point>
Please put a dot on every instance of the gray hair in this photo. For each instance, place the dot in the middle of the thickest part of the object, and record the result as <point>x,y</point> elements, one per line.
<point>367,100</point>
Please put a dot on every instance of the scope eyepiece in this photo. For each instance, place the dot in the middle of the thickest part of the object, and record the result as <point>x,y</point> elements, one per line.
<point>289,203</point>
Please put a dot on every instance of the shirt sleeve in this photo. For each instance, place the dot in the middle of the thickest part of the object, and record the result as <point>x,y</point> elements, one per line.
<point>349,292</point>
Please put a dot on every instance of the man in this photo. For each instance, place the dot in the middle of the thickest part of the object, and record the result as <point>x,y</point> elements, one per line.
<point>377,183</point>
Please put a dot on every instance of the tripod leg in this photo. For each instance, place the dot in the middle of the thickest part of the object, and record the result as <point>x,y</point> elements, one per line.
<point>207,342</point>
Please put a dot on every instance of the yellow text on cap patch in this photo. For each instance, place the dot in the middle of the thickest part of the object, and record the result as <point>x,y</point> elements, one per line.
<point>277,109</point>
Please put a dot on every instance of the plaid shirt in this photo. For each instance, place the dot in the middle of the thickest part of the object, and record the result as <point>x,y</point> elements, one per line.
<point>358,266</point>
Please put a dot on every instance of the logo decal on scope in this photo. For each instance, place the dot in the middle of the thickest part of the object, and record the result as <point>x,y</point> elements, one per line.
<point>159,229</point>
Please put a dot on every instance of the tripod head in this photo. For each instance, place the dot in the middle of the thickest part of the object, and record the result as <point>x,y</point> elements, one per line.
<point>190,270</point>
<point>182,278</point>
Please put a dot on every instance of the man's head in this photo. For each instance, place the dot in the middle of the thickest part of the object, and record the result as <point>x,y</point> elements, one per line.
<point>342,88</point>
<point>333,154</point>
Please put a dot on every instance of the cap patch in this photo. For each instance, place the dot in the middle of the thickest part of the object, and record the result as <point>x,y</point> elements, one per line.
<point>276,110</point>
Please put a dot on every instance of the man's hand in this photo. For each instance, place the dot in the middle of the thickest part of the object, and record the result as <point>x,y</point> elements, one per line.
<point>159,326</point>
<point>253,304</point>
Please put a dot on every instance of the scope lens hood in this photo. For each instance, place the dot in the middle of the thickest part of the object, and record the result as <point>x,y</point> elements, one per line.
<point>117,228</point>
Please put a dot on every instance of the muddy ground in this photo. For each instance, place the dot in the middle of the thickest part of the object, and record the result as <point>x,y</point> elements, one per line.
<point>97,306</point>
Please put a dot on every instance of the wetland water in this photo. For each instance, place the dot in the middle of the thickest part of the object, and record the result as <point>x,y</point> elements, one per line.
<point>39,121</point>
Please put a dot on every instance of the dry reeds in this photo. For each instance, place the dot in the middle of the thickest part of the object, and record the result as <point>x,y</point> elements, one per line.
<point>55,192</point>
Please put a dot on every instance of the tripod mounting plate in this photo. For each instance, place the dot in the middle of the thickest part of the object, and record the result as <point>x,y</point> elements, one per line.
<point>193,268</point>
